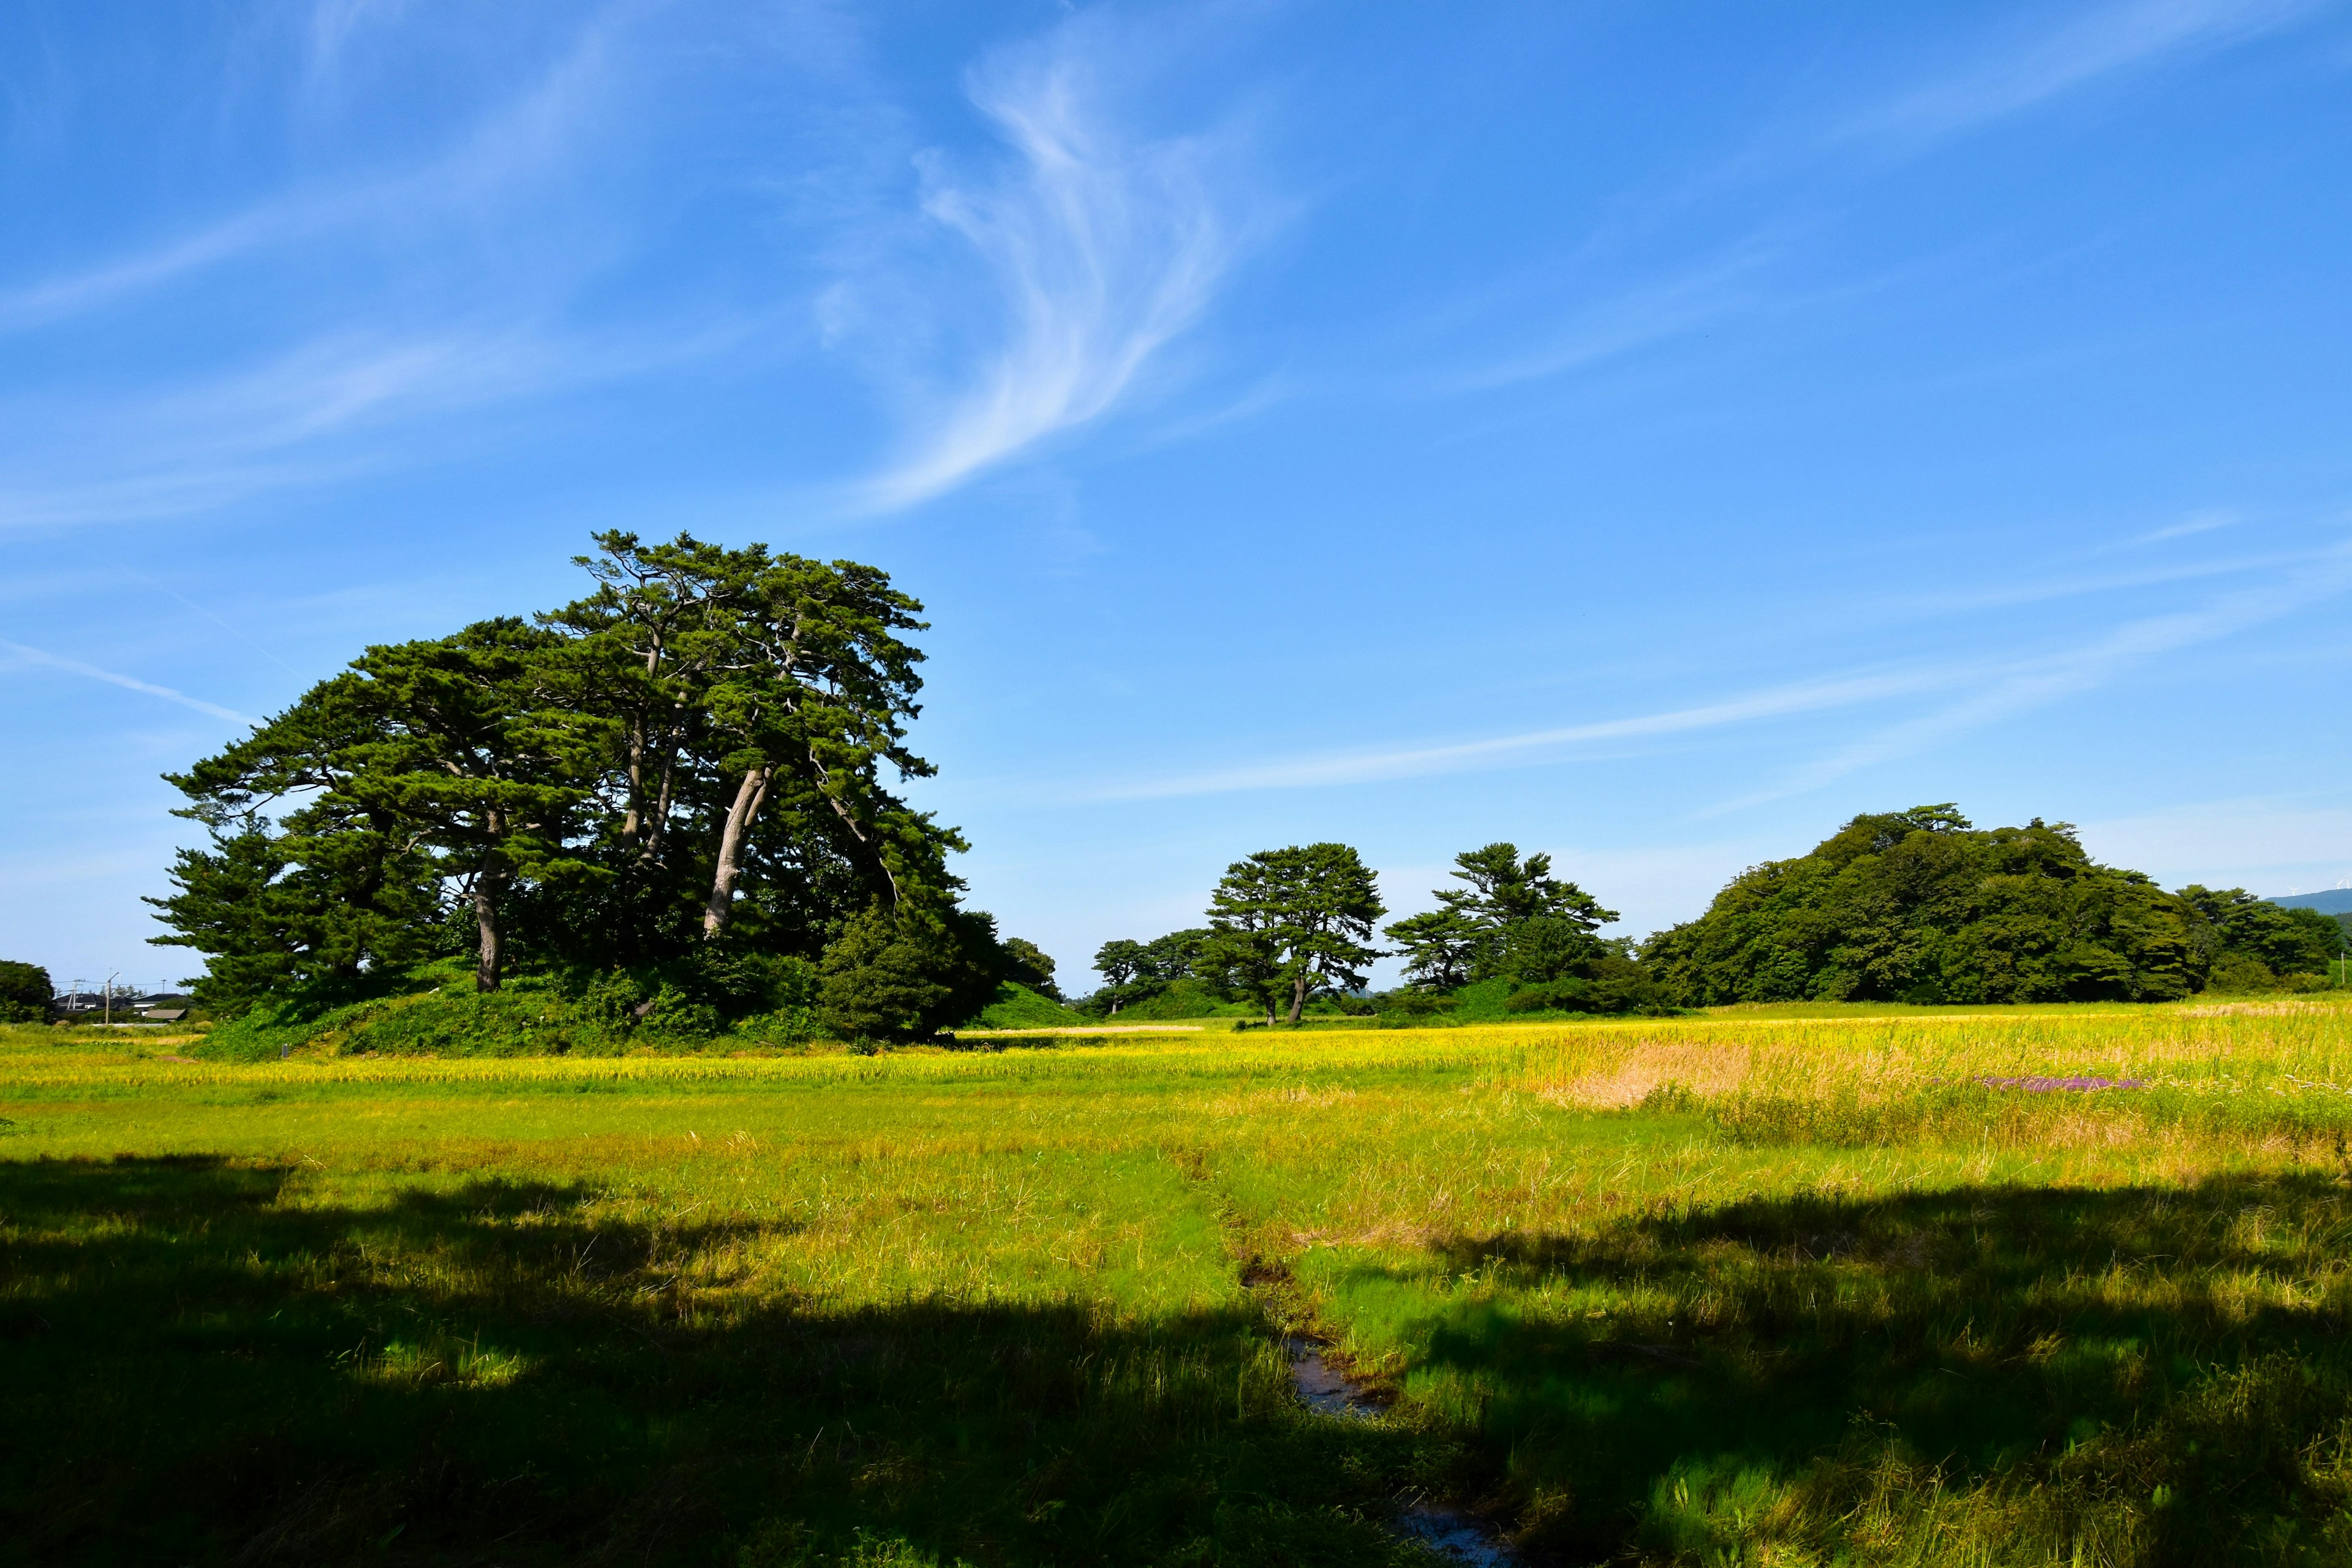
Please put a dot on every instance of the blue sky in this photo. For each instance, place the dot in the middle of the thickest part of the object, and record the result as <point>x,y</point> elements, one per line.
<point>1649,433</point>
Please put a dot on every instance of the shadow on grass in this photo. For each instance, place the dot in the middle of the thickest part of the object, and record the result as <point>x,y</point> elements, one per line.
<point>2155,1374</point>
<point>192,1372</point>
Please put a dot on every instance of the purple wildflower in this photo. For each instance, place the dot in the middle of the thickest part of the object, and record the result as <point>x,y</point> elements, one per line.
<point>2050,1085</point>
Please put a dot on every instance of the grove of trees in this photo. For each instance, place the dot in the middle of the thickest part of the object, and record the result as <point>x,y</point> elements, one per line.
<point>682,779</point>
<point>1921,906</point>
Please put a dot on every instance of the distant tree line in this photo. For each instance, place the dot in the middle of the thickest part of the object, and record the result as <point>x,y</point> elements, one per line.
<point>1915,906</point>
<point>682,779</point>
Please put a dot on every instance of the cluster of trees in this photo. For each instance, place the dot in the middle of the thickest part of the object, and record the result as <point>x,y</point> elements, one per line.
<point>1922,905</point>
<point>1915,906</point>
<point>1515,921</point>
<point>683,776</point>
<point>1288,928</point>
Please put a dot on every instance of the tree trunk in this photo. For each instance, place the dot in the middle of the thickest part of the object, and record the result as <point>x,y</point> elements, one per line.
<point>632,824</point>
<point>747,797</point>
<point>1299,996</point>
<point>489,883</point>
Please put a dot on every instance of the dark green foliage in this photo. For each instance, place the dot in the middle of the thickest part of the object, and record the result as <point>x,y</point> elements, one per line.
<point>1136,972</point>
<point>1441,948</point>
<point>2256,943</point>
<point>1609,983</point>
<point>905,973</point>
<point>1028,964</point>
<point>1514,920</point>
<point>1504,889</point>
<point>1291,924</point>
<point>25,993</point>
<point>675,782</point>
<point>1918,906</point>
<point>1544,948</point>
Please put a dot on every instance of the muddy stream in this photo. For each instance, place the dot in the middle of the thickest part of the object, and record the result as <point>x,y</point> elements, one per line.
<point>1452,1534</point>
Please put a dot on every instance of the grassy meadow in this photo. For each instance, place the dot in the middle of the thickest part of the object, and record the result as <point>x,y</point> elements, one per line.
<point>1765,1286</point>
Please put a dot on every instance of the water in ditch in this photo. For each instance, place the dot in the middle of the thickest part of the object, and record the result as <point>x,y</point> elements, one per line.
<point>1450,1533</point>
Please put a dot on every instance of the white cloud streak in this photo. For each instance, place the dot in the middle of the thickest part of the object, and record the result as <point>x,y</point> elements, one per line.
<point>522,139</point>
<point>1507,751</point>
<point>129,683</point>
<point>2100,43</point>
<point>1995,691</point>
<point>1097,250</point>
<point>2038,683</point>
<point>1642,316</point>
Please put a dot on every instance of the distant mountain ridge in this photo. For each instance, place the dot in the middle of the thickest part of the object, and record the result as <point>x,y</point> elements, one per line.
<point>2333,901</point>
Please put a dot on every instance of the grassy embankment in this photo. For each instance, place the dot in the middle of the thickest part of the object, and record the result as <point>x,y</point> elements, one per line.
<point>1739,1287</point>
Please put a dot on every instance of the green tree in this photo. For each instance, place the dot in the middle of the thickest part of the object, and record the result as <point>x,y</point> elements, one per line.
<point>696,746</point>
<point>25,993</point>
<point>820,689</point>
<point>1541,949</point>
<point>1440,948</point>
<point>1293,923</point>
<point>334,889</point>
<point>444,761</point>
<point>475,755</point>
<point>755,698</point>
<point>1120,962</point>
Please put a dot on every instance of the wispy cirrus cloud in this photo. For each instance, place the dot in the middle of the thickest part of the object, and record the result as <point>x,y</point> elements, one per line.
<point>315,415</point>
<point>1536,745</point>
<point>20,654</point>
<point>1991,690</point>
<point>1639,317</point>
<point>2091,47</point>
<point>1097,248</point>
<point>2038,682</point>
<point>520,140</point>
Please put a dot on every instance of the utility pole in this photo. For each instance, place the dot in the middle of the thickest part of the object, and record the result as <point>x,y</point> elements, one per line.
<point>109,997</point>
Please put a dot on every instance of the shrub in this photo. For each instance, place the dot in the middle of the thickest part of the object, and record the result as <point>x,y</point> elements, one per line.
<point>1017,1006</point>
<point>904,974</point>
<point>25,993</point>
<point>2241,972</point>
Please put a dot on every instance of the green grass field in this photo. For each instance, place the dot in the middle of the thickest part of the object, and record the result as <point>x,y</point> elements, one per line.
<point>1746,1287</point>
